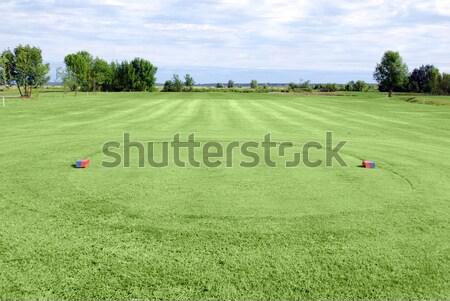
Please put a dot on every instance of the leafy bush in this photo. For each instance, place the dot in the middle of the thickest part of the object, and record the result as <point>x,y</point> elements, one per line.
<point>302,87</point>
<point>175,85</point>
<point>361,86</point>
<point>168,86</point>
<point>329,88</point>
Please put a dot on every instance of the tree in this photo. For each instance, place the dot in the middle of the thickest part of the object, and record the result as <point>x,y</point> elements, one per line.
<point>78,67</point>
<point>24,67</point>
<point>230,84</point>
<point>142,75</point>
<point>6,60</point>
<point>89,82</point>
<point>445,83</point>
<point>417,79</point>
<point>173,85</point>
<point>189,81</point>
<point>4,78</point>
<point>100,73</point>
<point>254,84</point>
<point>391,72</point>
<point>111,80</point>
<point>219,85</point>
<point>124,77</point>
<point>350,86</point>
<point>177,83</point>
<point>423,79</point>
<point>434,82</point>
<point>360,86</point>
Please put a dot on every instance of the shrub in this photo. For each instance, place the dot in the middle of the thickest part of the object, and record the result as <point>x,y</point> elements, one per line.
<point>361,86</point>
<point>168,86</point>
<point>329,88</point>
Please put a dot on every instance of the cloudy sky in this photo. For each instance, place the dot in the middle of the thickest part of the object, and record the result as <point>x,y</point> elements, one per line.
<point>268,40</point>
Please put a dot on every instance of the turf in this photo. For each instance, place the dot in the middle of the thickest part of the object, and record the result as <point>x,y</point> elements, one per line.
<point>224,233</point>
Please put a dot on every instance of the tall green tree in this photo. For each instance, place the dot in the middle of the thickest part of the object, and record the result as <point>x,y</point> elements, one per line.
<point>254,84</point>
<point>424,79</point>
<point>434,82</point>
<point>230,84</point>
<point>142,74</point>
<point>123,76</point>
<point>6,58</point>
<point>8,64</point>
<point>100,73</point>
<point>89,80</point>
<point>189,81</point>
<point>391,71</point>
<point>24,67</point>
<point>78,66</point>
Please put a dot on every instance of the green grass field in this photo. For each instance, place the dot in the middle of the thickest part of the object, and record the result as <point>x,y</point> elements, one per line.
<point>224,233</point>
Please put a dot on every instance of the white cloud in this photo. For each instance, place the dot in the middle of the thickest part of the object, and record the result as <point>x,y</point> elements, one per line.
<point>333,36</point>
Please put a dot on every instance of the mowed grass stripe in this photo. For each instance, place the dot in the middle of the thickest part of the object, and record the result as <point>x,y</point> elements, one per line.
<point>247,119</point>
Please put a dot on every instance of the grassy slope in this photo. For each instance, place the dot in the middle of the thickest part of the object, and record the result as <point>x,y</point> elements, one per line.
<point>224,233</point>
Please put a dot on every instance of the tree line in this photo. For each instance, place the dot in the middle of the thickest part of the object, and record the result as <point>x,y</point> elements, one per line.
<point>23,66</point>
<point>84,72</point>
<point>393,76</point>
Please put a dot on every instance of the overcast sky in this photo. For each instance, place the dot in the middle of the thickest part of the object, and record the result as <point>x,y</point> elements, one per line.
<point>271,41</point>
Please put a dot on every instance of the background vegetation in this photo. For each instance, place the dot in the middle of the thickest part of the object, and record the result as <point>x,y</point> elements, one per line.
<point>23,67</point>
